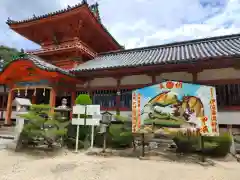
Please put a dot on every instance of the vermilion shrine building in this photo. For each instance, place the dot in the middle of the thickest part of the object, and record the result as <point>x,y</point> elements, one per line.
<point>78,55</point>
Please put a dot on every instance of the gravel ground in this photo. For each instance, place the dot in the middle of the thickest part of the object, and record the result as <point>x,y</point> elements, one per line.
<point>82,167</point>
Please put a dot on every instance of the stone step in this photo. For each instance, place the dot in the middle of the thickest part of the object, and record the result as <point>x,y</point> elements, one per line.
<point>6,136</point>
<point>5,142</point>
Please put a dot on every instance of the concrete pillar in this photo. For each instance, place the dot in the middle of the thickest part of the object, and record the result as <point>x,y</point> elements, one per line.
<point>232,148</point>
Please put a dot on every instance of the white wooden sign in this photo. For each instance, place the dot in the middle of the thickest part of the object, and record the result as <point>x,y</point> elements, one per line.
<point>79,109</point>
<point>94,111</point>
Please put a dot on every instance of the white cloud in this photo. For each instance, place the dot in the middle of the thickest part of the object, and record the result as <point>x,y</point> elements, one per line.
<point>139,23</point>
<point>227,21</point>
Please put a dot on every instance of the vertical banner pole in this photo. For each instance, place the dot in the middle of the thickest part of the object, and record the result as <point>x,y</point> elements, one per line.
<point>77,138</point>
<point>85,115</point>
<point>202,148</point>
<point>143,145</point>
<point>92,136</point>
<point>105,139</point>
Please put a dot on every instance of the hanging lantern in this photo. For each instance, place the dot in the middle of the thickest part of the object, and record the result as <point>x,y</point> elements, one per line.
<point>35,92</point>
<point>44,92</point>
<point>26,91</point>
<point>18,93</point>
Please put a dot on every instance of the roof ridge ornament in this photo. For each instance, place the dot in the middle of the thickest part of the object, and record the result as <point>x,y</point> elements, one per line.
<point>95,11</point>
<point>84,2</point>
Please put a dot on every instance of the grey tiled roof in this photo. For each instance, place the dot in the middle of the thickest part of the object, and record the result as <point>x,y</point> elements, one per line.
<point>181,52</point>
<point>40,63</point>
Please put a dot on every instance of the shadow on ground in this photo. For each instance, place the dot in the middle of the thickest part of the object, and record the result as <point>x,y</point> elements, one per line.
<point>156,154</point>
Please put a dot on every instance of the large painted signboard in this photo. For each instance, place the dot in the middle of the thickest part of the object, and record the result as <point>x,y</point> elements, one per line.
<point>173,104</point>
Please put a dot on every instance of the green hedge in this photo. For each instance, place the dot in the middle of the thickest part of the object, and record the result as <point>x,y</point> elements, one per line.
<point>117,137</point>
<point>84,139</point>
<point>213,146</point>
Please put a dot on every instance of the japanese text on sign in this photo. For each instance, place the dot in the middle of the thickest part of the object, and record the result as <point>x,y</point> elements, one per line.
<point>139,110</point>
<point>213,112</point>
<point>134,105</point>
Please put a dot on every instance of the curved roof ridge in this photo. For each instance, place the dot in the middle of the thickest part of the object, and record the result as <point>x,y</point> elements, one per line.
<point>57,12</point>
<point>40,63</point>
<point>173,44</point>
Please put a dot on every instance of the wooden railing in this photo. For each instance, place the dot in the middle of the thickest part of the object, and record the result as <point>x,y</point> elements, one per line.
<point>64,46</point>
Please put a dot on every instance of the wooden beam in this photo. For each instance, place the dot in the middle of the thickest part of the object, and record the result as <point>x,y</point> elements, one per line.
<point>194,77</point>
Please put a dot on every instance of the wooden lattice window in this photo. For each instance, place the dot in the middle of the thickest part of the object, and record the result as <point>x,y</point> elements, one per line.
<point>126,98</point>
<point>106,98</point>
<point>228,95</point>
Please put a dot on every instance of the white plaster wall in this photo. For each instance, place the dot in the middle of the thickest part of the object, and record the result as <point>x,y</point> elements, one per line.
<point>136,79</point>
<point>215,74</point>
<point>179,76</point>
<point>81,85</point>
<point>97,82</point>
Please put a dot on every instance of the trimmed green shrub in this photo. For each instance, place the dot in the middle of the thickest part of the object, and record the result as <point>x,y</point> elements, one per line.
<point>223,145</point>
<point>43,127</point>
<point>120,137</point>
<point>213,146</point>
<point>83,99</point>
<point>119,133</point>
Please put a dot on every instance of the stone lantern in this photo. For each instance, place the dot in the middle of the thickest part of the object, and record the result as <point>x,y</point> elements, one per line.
<point>106,121</point>
<point>63,110</point>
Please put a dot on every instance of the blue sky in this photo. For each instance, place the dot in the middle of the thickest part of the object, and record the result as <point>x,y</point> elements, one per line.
<point>136,23</point>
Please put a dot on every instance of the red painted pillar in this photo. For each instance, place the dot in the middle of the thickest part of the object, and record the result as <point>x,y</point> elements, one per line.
<point>52,102</point>
<point>34,100</point>
<point>9,107</point>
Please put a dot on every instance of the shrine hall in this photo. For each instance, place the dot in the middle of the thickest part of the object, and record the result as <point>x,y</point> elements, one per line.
<point>79,55</point>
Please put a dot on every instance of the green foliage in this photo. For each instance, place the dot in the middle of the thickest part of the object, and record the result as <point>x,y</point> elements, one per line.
<point>213,146</point>
<point>120,136</point>
<point>83,99</point>
<point>42,127</point>
<point>121,118</point>
<point>84,132</point>
<point>7,54</point>
<point>223,145</point>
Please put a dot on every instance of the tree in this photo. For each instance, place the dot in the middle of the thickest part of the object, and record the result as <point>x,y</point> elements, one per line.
<point>83,99</point>
<point>7,54</point>
<point>42,127</point>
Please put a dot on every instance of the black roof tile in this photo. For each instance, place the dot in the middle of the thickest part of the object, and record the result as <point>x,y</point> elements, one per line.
<point>180,52</point>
